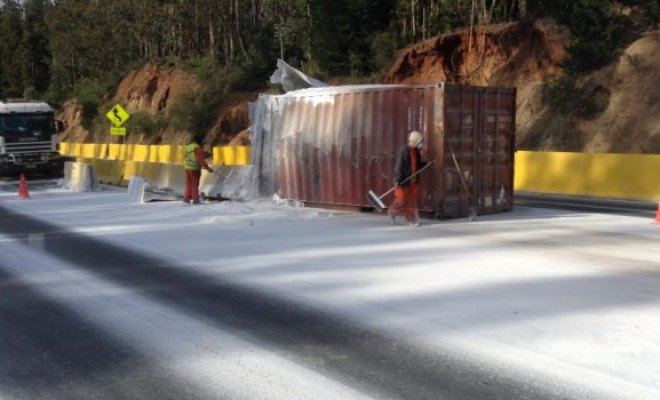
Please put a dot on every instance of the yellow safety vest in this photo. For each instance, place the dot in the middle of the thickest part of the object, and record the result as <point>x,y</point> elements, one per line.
<point>191,160</point>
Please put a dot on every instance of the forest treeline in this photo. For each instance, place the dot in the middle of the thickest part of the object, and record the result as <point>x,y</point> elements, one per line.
<point>53,48</point>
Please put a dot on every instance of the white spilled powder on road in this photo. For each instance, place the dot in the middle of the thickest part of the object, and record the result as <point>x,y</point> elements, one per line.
<point>565,298</point>
<point>209,358</point>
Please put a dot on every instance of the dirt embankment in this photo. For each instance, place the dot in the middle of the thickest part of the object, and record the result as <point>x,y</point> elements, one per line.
<point>154,91</point>
<point>625,94</point>
<point>630,122</point>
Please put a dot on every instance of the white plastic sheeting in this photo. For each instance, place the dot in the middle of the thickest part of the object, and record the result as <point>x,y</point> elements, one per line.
<point>238,182</point>
<point>262,142</point>
<point>292,79</point>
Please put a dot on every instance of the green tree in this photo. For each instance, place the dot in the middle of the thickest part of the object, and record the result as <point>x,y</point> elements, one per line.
<point>37,46</point>
<point>649,15</point>
<point>600,33</point>
<point>344,31</point>
<point>71,40</point>
<point>12,50</point>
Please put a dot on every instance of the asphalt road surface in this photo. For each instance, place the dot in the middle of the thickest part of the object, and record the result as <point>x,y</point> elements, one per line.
<point>50,352</point>
<point>81,318</point>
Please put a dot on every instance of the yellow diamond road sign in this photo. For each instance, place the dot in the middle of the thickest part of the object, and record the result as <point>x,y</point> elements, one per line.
<point>117,115</point>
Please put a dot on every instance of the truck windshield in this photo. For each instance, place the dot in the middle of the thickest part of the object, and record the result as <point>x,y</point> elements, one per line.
<point>27,123</point>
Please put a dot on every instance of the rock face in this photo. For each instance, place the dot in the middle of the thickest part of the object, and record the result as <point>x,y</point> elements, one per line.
<point>153,90</point>
<point>624,95</point>
<point>232,119</point>
<point>71,115</point>
<point>505,54</point>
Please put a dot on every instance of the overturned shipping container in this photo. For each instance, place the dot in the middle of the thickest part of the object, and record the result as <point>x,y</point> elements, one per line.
<point>330,146</point>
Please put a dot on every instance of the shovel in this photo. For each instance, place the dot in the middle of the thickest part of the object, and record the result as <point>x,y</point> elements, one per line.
<point>223,177</point>
<point>473,214</point>
<point>377,201</point>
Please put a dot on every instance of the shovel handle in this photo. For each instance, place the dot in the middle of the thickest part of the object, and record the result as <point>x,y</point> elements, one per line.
<point>460,174</point>
<point>428,164</point>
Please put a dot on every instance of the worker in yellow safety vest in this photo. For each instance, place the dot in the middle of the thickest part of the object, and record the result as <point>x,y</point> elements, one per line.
<point>194,163</point>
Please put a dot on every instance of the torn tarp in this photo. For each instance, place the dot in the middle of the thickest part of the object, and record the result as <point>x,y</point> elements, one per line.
<point>293,79</point>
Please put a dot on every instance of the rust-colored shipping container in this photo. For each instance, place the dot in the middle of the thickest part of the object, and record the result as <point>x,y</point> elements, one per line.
<point>330,146</point>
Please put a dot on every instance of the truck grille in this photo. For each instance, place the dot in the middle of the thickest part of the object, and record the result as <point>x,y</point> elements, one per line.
<point>28,147</point>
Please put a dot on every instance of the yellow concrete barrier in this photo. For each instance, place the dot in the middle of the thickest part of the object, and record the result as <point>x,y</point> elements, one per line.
<point>130,151</point>
<point>65,148</point>
<point>75,150</point>
<point>626,176</point>
<point>615,176</point>
<point>114,150</point>
<point>148,171</point>
<point>545,172</point>
<point>217,156</point>
<point>118,151</point>
<point>165,154</point>
<point>232,155</point>
<point>102,151</point>
<point>153,153</point>
<point>180,154</point>
<point>171,154</point>
<point>108,171</point>
<point>87,150</point>
<point>140,153</point>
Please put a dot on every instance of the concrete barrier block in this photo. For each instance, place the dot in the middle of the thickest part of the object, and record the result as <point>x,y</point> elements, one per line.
<point>136,186</point>
<point>170,176</point>
<point>108,171</point>
<point>79,177</point>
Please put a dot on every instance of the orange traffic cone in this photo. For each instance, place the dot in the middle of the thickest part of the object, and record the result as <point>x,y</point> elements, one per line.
<point>657,215</point>
<point>23,188</point>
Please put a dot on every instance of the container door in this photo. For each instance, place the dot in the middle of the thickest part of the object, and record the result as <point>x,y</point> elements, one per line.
<point>494,157</point>
<point>459,155</point>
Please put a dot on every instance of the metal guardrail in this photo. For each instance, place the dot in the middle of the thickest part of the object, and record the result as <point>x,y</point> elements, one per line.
<point>590,204</point>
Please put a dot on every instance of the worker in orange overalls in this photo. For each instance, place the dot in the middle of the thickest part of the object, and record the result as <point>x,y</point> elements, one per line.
<point>409,161</point>
<point>194,163</point>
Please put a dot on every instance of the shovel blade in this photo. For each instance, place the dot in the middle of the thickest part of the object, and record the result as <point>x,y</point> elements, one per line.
<point>376,201</point>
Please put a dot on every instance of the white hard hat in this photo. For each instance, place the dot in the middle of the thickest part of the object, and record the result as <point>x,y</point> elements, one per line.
<point>415,139</point>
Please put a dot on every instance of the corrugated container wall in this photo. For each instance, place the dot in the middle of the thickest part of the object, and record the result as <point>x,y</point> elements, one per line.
<point>330,146</point>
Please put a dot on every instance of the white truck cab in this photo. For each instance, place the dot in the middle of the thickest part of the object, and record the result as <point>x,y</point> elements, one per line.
<point>29,137</point>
